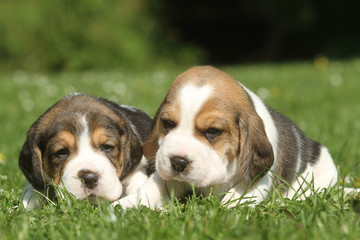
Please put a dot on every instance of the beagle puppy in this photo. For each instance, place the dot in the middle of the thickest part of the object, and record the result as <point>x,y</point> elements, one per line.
<point>88,145</point>
<point>213,133</point>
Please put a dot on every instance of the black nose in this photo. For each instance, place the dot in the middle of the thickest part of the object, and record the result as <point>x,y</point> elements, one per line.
<point>179,163</point>
<point>90,178</point>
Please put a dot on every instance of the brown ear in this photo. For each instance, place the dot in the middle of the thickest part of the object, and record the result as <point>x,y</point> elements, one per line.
<point>151,145</point>
<point>256,154</point>
<point>30,161</point>
<point>132,152</point>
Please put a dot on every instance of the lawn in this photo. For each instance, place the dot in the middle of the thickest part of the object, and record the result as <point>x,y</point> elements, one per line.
<point>322,97</point>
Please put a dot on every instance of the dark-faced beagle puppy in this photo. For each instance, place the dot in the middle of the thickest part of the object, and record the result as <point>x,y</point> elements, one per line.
<point>213,133</point>
<point>88,145</point>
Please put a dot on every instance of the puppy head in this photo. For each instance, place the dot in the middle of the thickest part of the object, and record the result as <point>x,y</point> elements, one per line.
<point>83,144</point>
<point>207,132</point>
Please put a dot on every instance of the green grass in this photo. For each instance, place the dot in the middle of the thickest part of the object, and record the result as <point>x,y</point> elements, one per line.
<point>323,100</point>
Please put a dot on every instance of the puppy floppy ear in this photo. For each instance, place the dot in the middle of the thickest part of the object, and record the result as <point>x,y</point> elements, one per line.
<point>30,161</point>
<point>151,145</point>
<point>132,153</point>
<point>256,154</point>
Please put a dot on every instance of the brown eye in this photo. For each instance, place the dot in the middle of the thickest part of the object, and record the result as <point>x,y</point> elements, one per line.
<point>212,133</point>
<point>107,148</point>
<point>168,124</point>
<point>62,154</point>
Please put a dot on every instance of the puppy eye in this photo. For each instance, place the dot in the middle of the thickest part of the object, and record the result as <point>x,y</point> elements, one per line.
<point>212,133</point>
<point>62,153</point>
<point>168,124</point>
<point>107,148</point>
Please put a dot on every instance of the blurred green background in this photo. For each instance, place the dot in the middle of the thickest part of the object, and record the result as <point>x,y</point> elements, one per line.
<point>43,35</point>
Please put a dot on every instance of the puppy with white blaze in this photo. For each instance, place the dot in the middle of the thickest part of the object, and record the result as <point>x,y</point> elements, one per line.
<point>88,145</point>
<point>215,134</point>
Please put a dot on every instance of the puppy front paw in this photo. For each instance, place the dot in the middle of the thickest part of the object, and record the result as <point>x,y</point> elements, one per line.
<point>127,202</point>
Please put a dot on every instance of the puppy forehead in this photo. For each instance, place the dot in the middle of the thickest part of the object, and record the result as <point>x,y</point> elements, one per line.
<point>192,98</point>
<point>225,88</point>
<point>67,112</point>
<point>64,138</point>
<point>100,133</point>
<point>80,130</point>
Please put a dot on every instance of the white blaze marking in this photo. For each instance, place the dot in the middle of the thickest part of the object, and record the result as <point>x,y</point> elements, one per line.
<point>88,158</point>
<point>192,99</point>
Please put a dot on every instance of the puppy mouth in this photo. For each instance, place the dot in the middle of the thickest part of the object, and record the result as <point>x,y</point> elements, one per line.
<point>88,194</point>
<point>94,199</point>
<point>95,195</point>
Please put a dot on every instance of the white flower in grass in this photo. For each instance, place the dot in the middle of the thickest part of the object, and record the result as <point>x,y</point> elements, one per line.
<point>347,180</point>
<point>263,93</point>
<point>42,81</point>
<point>336,80</point>
<point>12,209</point>
<point>20,77</point>
<point>120,88</point>
<point>28,105</point>
<point>51,90</point>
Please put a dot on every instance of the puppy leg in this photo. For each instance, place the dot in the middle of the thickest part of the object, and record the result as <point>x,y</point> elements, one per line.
<point>153,193</point>
<point>135,180</point>
<point>30,198</point>
<point>322,174</point>
<point>256,194</point>
<point>325,172</point>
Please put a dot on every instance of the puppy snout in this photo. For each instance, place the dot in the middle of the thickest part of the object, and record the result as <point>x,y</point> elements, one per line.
<point>90,178</point>
<point>179,163</point>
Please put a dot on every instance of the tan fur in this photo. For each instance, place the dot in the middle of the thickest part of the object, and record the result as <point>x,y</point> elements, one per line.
<point>53,166</point>
<point>101,136</point>
<point>38,158</point>
<point>228,108</point>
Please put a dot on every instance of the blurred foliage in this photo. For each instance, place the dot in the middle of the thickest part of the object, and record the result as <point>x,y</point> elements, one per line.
<point>236,31</point>
<point>57,35</point>
<point>84,34</point>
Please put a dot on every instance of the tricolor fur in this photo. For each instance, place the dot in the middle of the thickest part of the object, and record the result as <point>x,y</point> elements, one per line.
<point>215,134</point>
<point>88,145</point>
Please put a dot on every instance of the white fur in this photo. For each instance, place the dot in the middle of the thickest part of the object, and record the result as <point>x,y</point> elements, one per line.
<point>153,193</point>
<point>131,108</point>
<point>298,141</point>
<point>209,169</point>
<point>30,198</point>
<point>137,178</point>
<point>108,186</point>
<point>263,187</point>
<point>324,172</point>
<point>269,124</point>
<point>315,177</point>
